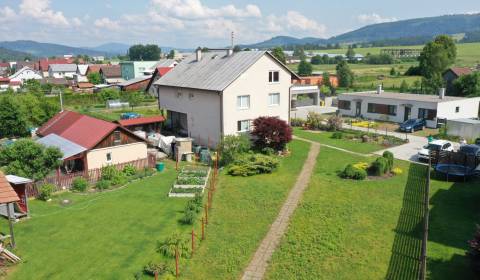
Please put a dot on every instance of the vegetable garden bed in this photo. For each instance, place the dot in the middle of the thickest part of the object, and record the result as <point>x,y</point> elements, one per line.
<point>190,181</point>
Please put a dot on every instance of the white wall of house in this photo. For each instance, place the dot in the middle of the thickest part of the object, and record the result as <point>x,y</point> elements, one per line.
<point>202,109</point>
<point>58,75</point>
<point>467,108</point>
<point>25,74</point>
<point>255,83</point>
<point>468,129</point>
<point>119,154</point>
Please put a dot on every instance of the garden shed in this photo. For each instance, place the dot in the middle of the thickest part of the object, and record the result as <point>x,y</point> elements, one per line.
<point>466,128</point>
<point>7,197</point>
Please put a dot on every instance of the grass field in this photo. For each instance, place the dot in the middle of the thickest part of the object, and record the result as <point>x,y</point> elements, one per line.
<point>243,209</point>
<point>325,137</point>
<point>113,115</point>
<point>110,235</point>
<point>347,229</point>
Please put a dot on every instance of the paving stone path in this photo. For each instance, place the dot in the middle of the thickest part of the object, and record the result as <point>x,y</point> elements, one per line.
<point>258,265</point>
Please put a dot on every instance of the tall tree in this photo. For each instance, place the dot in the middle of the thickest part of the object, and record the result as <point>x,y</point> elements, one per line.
<point>279,54</point>
<point>326,79</point>
<point>344,74</point>
<point>94,78</point>
<point>350,53</point>
<point>12,121</point>
<point>467,85</point>
<point>171,54</point>
<point>305,68</point>
<point>29,159</point>
<point>299,52</point>
<point>144,52</point>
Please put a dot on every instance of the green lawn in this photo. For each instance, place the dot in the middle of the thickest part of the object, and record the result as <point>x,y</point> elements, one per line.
<point>113,115</point>
<point>109,235</point>
<point>243,209</point>
<point>325,137</point>
<point>347,229</point>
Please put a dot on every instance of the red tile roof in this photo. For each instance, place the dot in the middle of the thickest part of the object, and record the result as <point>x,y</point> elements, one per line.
<point>111,71</point>
<point>163,70</point>
<point>44,63</point>
<point>95,68</point>
<point>4,79</point>
<point>7,193</point>
<point>142,120</point>
<point>80,129</point>
<point>460,71</point>
<point>4,64</point>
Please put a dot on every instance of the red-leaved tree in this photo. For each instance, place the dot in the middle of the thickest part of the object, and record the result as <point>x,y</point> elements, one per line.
<point>271,132</point>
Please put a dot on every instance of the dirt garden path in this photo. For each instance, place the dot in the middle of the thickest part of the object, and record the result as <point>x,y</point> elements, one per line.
<point>258,264</point>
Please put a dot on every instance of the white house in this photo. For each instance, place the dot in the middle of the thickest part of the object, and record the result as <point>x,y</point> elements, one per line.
<point>25,74</point>
<point>220,92</point>
<point>80,75</point>
<point>62,70</point>
<point>399,107</point>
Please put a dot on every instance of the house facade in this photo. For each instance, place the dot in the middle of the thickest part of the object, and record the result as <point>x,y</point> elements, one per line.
<point>450,75</point>
<point>89,143</point>
<point>25,74</point>
<point>399,107</point>
<point>62,70</point>
<point>218,93</point>
<point>135,69</point>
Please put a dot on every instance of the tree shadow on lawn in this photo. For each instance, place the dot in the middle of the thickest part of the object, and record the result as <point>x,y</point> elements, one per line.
<point>407,244</point>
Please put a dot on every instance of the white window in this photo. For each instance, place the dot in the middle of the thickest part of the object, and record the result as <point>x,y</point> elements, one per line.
<point>457,109</point>
<point>109,157</point>
<point>243,102</point>
<point>273,76</point>
<point>273,99</point>
<point>243,126</point>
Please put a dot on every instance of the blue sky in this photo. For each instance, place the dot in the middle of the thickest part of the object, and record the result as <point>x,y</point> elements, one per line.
<point>191,23</point>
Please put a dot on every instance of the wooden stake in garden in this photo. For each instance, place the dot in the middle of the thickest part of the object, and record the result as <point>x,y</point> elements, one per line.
<point>206,214</point>
<point>176,262</point>
<point>193,242</point>
<point>203,229</point>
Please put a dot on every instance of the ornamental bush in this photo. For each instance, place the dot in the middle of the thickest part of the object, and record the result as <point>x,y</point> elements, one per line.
<point>379,166</point>
<point>233,145</point>
<point>188,217</point>
<point>155,268</point>
<point>389,156</point>
<point>103,185</point>
<point>46,191</point>
<point>79,184</point>
<point>109,172</point>
<point>337,135</point>
<point>253,164</point>
<point>351,172</point>
<point>271,132</point>
<point>334,123</point>
<point>129,170</point>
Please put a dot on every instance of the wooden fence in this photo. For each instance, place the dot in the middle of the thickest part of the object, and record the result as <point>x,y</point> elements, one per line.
<point>64,181</point>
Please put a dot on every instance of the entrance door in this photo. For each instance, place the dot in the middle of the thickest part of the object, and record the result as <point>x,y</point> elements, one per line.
<point>358,109</point>
<point>407,114</point>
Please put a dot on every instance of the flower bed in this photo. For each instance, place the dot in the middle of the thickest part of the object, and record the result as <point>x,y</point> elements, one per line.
<point>190,181</point>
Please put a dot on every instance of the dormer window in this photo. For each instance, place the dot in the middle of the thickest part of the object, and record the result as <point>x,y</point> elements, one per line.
<point>273,76</point>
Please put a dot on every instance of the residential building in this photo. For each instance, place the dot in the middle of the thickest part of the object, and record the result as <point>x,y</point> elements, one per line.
<point>316,80</point>
<point>94,68</point>
<point>220,92</point>
<point>135,84</point>
<point>159,72</point>
<point>399,107</point>
<point>466,128</point>
<point>163,63</point>
<point>25,74</point>
<point>81,75</point>
<point>450,75</point>
<point>56,81</point>
<point>304,95</point>
<point>43,64</point>
<point>98,58</point>
<point>89,143</point>
<point>4,69</point>
<point>62,70</point>
<point>111,74</point>
<point>136,69</point>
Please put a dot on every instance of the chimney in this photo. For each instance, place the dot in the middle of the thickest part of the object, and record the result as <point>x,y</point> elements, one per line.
<point>441,93</point>
<point>229,52</point>
<point>379,89</point>
<point>199,53</point>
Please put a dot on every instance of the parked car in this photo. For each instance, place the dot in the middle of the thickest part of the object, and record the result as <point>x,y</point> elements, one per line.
<point>436,145</point>
<point>473,150</point>
<point>412,125</point>
<point>477,142</point>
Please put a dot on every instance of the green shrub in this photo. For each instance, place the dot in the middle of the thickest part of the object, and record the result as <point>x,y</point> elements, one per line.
<point>314,120</point>
<point>151,268</point>
<point>109,172</point>
<point>103,184</point>
<point>334,123</point>
<point>80,184</point>
<point>389,156</point>
<point>233,145</point>
<point>252,164</point>
<point>188,217</point>
<point>297,122</point>
<point>268,151</point>
<point>337,135</point>
<point>379,166</point>
<point>129,170</point>
<point>46,191</point>
<point>193,206</point>
<point>351,172</point>
<point>198,200</point>
<point>119,180</point>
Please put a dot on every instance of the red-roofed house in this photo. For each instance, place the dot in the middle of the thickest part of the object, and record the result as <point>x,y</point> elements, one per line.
<point>159,72</point>
<point>43,64</point>
<point>89,143</point>
<point>450,75</point>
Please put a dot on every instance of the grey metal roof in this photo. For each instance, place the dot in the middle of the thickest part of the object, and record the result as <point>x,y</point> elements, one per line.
<point>134,81</point>
<point>67,147</point>
<point>215,71</point>
<point>165,63</point>
<point>63,67</point>
<point>403,96</point>
<point>17,180</point>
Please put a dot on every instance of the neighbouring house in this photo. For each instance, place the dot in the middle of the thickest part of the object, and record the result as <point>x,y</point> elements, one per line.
<point>450,75</point>
<point>6,83</point>
<point>143,126</point>
<point>56,82</point>
<point>304,95</point>
<point>216,93</point>
<point>94,68</point>
<point>316,80</point>
<point>81,75</point>
<point>98,58</point>
<point>25,74</point>
<point>140,84</point>
<point>89,143</point>
<point>136,69</point>
<point>43,65</point>
<point>111,74</point>
<point>4,69</point>
<point>466,128</point>
<point>17,65</point>
<point>159,72</point>
<point>399,107</point>
<point>163,63</point>
<point>62,70</point>
<point>84,87</point>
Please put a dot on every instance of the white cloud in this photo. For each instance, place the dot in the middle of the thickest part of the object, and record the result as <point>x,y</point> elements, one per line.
<point>7,14</point>
<point>76,21</point>
<point>297,21</point>
<point>39,10</point>
<point>374,18</point>
<point>194,9</point>
<point>107,24</point>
